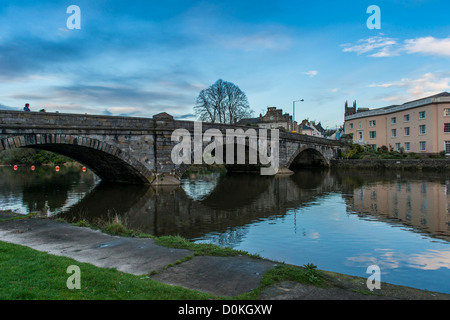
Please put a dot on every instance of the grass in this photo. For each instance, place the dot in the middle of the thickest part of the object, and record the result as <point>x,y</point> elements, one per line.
<point>308,274</point>
<point>14,216</point>
<point>200,249</point>
<point>27,274</point>
<point>116,225</point>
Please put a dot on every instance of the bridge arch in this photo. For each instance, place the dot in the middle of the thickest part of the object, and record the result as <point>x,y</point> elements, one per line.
<point>306,157</point>
<point>106,160</point>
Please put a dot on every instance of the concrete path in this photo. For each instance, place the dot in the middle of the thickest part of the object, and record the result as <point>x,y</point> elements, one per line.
<point>221,276</point>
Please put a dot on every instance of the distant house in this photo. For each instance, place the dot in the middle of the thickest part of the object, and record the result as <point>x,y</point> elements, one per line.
<point>311,129</point>
<point>273,119</point>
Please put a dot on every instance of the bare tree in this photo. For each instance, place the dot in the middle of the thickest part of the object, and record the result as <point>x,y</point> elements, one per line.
<point>222,102</point>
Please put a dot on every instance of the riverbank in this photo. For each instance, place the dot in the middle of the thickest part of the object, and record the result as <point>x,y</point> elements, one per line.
<point>425,164</point>
<point>237,276</point>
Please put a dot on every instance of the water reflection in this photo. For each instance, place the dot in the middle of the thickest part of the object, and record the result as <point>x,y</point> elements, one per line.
<point>216,203</point>
<point>341,221</point>
<point>43,190</point>
<point>416,200</point>
<point>221,202</point>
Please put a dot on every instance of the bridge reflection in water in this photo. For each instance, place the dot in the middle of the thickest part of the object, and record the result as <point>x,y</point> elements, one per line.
<point>221,204</point>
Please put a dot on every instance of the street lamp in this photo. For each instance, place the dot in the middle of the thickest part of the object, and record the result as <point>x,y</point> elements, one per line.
<point>293,111</point>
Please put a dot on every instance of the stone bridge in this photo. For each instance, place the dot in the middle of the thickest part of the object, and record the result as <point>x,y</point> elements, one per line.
<point>139,150</point>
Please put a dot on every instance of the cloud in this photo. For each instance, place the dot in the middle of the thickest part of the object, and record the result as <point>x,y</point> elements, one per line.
<point>311,73</point>
<point>256,41</point>
<point>411,89</point>
<point>3,107</point>
<point>23,57</point>
<point>429,46</point>
<point>188,116</point>
<point>383,47</point>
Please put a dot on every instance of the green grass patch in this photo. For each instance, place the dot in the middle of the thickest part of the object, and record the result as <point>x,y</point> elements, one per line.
<point>308,274</point>
<point>200,249</point>
<point>12,216</point>
<point>27,274</point>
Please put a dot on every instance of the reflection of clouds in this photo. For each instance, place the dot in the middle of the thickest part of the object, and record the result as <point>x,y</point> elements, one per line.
<point>388,259</point>
<point>200,186</point>
<point>430,260</point>
<point>315,235</point>
<point>385,259</point>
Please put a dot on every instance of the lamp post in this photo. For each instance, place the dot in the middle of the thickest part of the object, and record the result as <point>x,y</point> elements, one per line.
<point>293,112</point>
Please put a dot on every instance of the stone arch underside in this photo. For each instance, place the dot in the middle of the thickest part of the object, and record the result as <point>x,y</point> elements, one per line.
<point>108,162</point>
<point>308,157</point>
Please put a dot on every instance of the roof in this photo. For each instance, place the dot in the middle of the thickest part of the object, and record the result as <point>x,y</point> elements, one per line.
<point>405,106</point>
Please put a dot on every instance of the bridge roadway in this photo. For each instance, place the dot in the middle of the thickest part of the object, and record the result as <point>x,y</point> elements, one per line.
<point>138,150</point>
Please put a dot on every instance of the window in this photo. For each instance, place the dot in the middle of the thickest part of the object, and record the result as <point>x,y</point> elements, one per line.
<point>373,134</point>
<point>446,127</point>
<point>394,133</point>
<point>373,123</point>
<point>407,132</point>
<point>406,118</point>
<point>422,115</point>
<point>447,147</point>
<point>394,120</point>
<point>407,146</point>
<point>397,147</point>
<point>423,146</point>
<point>374,147</point>
<point>360,136</point>
<point>422,129</point>
<point>351,125</point>
<point>447,112</point>
<point>360,126</point>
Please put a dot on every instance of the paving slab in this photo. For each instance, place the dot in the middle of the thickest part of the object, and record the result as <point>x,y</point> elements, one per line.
<point>131,255</point>
<point>221,276</point>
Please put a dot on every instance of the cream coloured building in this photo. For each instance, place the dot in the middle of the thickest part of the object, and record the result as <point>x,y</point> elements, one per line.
<point>420,126</point>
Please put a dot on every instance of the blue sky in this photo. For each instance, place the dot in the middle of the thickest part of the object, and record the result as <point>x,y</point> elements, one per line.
<point>139,58</point>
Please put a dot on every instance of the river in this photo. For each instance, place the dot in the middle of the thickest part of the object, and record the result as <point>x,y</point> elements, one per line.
<point>341,221</point>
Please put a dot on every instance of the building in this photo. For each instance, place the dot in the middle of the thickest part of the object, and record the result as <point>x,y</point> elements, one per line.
<point>311,129</point>
<point>420,126</point>
<point>273,119</point>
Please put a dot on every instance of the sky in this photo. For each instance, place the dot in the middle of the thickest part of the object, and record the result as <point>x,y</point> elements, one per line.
<point>140,58</point>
